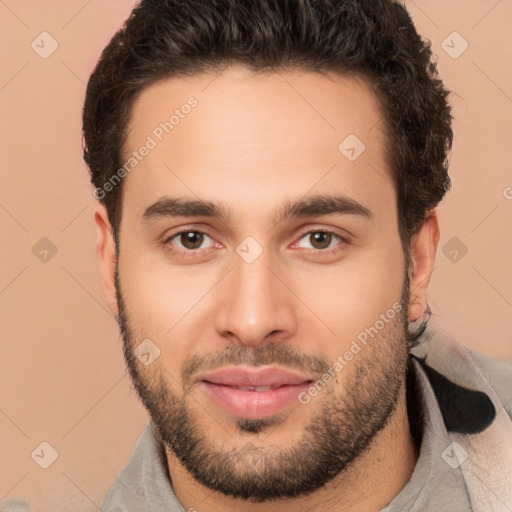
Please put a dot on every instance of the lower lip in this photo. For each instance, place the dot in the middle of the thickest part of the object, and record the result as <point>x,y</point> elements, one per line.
<point>253,404</point>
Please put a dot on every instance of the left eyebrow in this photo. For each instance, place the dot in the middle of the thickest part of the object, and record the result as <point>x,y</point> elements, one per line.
<point>317,205</point>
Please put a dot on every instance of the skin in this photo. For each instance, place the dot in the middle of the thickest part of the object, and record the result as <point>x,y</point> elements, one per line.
<point>256,129</point>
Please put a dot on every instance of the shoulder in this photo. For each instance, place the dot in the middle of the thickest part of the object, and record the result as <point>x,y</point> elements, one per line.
<point>498,373</point>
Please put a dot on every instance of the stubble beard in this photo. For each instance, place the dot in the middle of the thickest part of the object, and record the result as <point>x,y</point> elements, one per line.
<point>337,434</point>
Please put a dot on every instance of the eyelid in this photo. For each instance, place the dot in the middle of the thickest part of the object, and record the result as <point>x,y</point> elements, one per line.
<point>344,240</point>
<point>191,252</point>
<point>343,234</point>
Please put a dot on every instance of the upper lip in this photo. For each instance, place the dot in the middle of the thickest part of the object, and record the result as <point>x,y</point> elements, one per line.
<point>241,376</point>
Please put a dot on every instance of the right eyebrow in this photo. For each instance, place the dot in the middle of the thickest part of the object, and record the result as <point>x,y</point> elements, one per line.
<point>176,207</point>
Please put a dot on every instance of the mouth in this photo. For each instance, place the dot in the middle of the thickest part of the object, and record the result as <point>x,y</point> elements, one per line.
<point>253,392</point>
<point>252,388</point>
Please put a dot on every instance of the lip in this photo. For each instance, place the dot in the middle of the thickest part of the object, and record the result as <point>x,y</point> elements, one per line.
<point>222,386</point>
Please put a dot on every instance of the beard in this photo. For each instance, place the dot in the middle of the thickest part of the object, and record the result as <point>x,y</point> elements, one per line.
<point>333,439</point>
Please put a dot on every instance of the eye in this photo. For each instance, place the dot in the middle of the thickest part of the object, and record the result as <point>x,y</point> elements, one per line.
<point>321,240</point>
<point>187,241</point>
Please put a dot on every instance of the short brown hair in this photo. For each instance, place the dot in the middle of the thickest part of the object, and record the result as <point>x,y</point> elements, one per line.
<point>374,39</point>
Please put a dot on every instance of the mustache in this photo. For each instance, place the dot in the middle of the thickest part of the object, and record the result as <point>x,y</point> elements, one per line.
<point>269,354</point>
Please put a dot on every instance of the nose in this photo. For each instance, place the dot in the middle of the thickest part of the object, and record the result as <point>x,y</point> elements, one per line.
<point>255,305</point>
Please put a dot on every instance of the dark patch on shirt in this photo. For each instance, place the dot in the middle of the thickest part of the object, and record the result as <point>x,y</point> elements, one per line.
<point>464,410</point>
<point>414,406</point>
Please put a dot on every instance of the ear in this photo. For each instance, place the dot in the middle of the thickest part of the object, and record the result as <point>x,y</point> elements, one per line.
<point>423,253</point>
<point>106,253</point>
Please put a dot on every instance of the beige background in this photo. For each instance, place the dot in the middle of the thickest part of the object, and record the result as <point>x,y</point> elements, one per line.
<point>62,373</point>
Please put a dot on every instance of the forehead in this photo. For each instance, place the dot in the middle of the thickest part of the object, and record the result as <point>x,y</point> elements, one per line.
<point>250,135</point>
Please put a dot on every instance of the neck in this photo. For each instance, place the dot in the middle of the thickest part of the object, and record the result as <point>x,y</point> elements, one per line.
<point>367,485</point>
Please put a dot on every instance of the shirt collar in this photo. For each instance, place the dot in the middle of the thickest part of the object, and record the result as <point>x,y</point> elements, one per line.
<point>434,484</point>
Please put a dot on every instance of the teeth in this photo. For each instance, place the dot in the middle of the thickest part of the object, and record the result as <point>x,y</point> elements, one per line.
<point>254,388</point>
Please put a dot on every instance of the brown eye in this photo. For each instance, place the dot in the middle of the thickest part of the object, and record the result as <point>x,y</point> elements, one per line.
<point>191,239</point>
<point>320,239</point>
<point>189,242</point>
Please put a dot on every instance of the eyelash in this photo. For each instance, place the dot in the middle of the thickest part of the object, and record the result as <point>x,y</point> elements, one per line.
<point>193,253</point>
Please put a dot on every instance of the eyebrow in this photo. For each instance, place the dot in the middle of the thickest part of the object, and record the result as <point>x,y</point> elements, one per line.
<point>311,206</point>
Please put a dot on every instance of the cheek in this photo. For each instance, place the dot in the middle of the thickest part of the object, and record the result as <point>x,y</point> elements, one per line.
<point>160,300</point>
<point>351,296</point>
<point>166,304</point>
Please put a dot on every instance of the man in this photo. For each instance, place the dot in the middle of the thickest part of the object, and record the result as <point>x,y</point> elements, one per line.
<point>268,174</point>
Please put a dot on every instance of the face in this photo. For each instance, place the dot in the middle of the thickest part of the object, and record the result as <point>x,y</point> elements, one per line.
<point>262,260</point>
